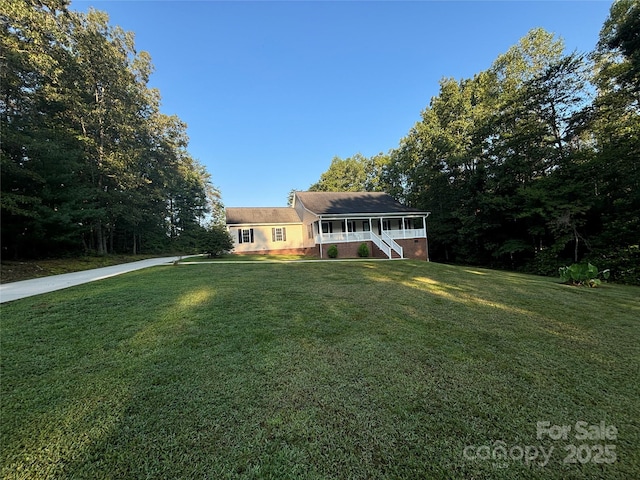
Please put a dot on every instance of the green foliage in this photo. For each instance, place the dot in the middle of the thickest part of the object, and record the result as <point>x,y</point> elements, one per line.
<point>353,174</point>
<point>290,197</point>
<point>88,161</point>
<point>623,262</point>
<point>545,262</point>
<point>522,166</point>
<point>343,175</point>
<point>217,241</point>
<point>363,250</point>
<point>620,34</point>
<point>583,273</point>
<point>526,164</point>
<point>332,251</point>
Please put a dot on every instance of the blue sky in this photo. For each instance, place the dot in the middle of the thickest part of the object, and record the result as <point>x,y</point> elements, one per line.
<point>272,91</point>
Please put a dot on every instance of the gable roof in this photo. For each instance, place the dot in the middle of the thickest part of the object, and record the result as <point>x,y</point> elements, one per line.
<point>261,215</point>
<point>337,203</point>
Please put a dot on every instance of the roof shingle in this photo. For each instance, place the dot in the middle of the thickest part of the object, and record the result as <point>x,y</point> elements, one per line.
<point>328,203</point>
<point>264,215</point>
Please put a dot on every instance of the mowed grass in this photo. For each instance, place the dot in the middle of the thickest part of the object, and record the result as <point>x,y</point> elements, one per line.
<point>318,371</point>
<point>248,258</point>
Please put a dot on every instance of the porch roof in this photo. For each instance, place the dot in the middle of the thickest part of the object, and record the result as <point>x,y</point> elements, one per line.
<point>353,203</point>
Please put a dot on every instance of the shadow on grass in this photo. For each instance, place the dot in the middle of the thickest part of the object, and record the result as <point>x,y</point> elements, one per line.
<point>369,370</point>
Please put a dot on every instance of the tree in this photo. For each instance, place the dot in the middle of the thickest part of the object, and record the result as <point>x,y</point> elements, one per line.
<point>290,197</point>
<point>614,122</point>
<point>536,145</point>
<point>41,155</point>
<point>88,161</point>
<point>217,241</point>
<point>107,88</point>
<point>353,174</point>
<point>481,155</point>
<point>440,165</point>
<point>620,37</point>
<point>343,175</point>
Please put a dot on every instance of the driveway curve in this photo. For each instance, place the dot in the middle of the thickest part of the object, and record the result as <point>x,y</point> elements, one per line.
<point>36,286</point>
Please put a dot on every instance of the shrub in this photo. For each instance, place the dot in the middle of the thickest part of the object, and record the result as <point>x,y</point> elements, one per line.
<point>332,251</point>
<point>624,262</point>
<point>545,262</point>
<point>582,274</point>
<point>217,241</point>
<point>363,250</point>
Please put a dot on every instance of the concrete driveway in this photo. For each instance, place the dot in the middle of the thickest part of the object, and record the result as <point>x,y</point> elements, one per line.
<point>36,286</point>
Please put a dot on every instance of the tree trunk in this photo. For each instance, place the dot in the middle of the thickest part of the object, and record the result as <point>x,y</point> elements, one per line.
<point>100,241</point>
<point>84,244</point>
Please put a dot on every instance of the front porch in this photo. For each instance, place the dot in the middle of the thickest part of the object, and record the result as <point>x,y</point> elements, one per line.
<point>387,233</point>
<point>363,236</point>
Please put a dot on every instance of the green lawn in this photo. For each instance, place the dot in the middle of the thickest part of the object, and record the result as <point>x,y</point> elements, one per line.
<point>339,370</point>
<point>248,258</point>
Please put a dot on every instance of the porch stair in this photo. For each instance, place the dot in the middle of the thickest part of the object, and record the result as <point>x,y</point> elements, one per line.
<point>388,245</point>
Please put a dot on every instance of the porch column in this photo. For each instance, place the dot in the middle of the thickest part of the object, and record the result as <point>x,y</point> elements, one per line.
<point>320,235</point>
<point>426,239</point>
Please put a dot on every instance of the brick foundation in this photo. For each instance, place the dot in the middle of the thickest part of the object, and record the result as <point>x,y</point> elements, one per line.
<point>309,252</point>
<point>415,248</point>
<point>350,250</point>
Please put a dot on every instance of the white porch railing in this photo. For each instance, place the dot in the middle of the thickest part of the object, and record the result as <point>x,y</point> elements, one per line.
<point>392,243</point>
<point>364,236</point>
<point>407,233</point>
<point>343,237</point>
<point>386,249</point>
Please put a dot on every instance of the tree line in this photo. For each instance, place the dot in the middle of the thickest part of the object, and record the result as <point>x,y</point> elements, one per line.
<point>88,161</point>
<point>531,164</point>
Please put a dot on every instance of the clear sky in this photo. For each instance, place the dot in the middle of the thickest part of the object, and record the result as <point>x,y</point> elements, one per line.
<point>272,91</point>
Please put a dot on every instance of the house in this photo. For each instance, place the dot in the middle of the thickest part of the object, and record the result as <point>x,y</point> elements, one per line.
<point>317,220</point>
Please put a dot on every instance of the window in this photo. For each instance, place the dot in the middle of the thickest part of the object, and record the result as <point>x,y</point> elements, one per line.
<point>245,235</point>
<point>351,226</point>
<point>365,226</point>
<point>278,234</point>
<point>327,227</point>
